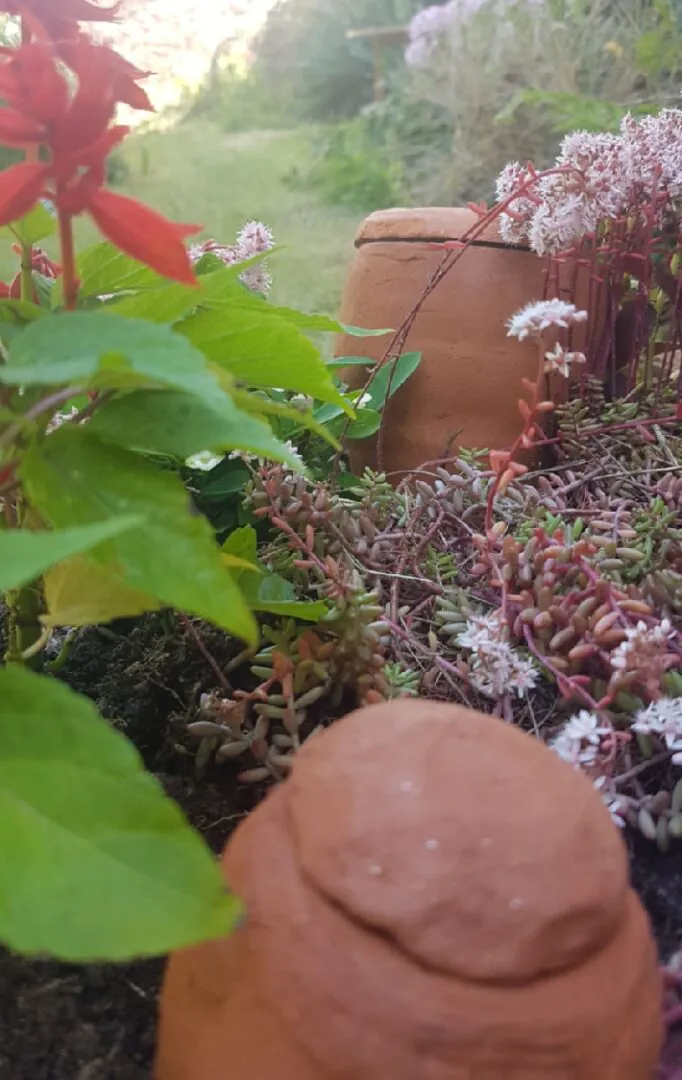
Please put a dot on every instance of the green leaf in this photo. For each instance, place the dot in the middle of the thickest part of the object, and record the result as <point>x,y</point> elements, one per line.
<point>97,863</point>
<point>20,311</point>
<point>266,352</point>
<point>267,592</point>
<point>75,479</point>
<point>15,316</point>
<point>104,269</point>
<point>275,596</point>
<point>356,331</point>
<point>107,350</point>
<point>37,225</point>
<point>350,361</point>
<point>397,372</point>
<point>368,423</point>
<point>169,422</point>
<point>259,405</point>
<point>26,555</point>
<point>164,305</point>
<point>82,592</point>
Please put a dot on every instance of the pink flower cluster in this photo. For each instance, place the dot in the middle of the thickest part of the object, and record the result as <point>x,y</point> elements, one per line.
<point>254,239</point>
<point>597,177</point>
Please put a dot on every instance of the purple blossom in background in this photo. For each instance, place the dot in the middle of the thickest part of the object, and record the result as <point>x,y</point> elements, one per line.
<point>427,28</point>
<point>430,26</point>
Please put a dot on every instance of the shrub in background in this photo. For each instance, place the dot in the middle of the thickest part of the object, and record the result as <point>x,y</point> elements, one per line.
<point>513,76</point>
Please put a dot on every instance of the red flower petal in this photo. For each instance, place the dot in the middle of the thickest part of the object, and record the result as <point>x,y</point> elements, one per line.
<point>20,188</point>
<point>143,234</point>
<point>18,130</point>
<point>58,18</point>
<point>33,85</point>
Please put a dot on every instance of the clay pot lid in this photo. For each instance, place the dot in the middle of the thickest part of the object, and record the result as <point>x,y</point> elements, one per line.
<point>427,224</point>
<point>468,844</point>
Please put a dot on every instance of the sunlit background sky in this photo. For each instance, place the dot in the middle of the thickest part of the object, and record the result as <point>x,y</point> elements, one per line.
<point>177,39</point>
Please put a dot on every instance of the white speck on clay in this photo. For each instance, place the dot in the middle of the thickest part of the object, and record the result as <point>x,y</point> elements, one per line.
<point>516,904</point>
<point>406,786</point>
<point>375,870</point>
<point>432,845</point>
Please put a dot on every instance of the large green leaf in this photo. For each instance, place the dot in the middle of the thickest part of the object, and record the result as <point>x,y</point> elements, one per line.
<point>103,269</point>
<point>107,350</point>
<point>162,305</point>
<point>82,592</point>
<point>224,288</point>
<point>75,479</point>
<point>25,555</point>
<point>97,863</point>
<point>267,352</point>
<point>169,422</point>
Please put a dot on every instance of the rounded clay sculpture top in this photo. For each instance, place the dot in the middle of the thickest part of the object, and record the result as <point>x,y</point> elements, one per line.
<point>433,895</point>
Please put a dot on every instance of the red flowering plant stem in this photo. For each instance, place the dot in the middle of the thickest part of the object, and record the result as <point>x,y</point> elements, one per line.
<point>76,130</point>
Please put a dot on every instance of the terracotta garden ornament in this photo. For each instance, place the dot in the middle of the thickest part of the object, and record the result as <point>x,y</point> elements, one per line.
<point>466,388</point>
<point>433,895</point>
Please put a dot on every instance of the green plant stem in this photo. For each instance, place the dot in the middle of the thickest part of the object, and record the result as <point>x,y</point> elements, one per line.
<point>26,272</point>
<point>24,624</point>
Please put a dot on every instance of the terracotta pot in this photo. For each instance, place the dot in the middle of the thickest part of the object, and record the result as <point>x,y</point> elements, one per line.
<point>433,895</point>
<point>466,389</point>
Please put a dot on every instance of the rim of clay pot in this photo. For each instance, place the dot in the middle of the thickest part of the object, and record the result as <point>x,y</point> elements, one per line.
<point>430,224</point>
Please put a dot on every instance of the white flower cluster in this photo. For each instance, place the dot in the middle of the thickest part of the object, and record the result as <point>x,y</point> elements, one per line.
<point>602,177</point>
<point>254,239</point>
<point>496,668</point>
<point>579,741</point>
<point>579,745</point>
<point>645,652</point>
<point>664,719</point>
<point>614,803</point>
<point>541,315</point>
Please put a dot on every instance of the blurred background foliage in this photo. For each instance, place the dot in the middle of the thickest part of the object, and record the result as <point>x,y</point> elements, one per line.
<point>308,121</point>
<point>506,82</point>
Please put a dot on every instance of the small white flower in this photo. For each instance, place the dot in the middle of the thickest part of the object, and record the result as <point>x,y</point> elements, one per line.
<point>61,418</point>
<point>615,804</point>
<point>644,654</point>
<point>663,718</point>
<point>482,631</point>
<point>542,315</point>
<point>496,668</point>
<point>579,740</point>
<point>205,461</point>
<point>560,361</point>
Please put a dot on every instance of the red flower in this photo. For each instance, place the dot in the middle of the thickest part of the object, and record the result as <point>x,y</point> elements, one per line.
<point>57,19</point>
<point>76,131</point>
<point>143,233</point>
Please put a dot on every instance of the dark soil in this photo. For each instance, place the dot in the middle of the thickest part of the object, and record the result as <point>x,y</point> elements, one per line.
<point>63,1022</point>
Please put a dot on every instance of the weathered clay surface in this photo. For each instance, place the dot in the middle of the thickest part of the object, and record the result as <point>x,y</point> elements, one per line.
<point>432,896</point>
<point>466,389</point>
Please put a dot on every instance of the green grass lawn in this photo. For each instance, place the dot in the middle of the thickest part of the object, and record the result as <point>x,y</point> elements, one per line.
<point>196,173</point>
